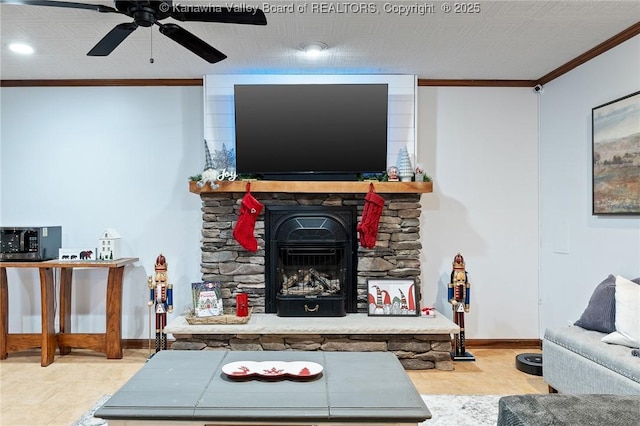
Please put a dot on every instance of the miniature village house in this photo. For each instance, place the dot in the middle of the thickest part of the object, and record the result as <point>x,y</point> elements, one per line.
<point>109,245</point>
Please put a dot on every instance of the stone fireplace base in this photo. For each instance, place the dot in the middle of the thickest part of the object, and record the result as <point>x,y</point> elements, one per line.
<point>419,343</point>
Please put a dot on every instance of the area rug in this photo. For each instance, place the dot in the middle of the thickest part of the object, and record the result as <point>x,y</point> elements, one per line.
<point>462,410</point>
<point>87,418</point>
<point>447,410</point>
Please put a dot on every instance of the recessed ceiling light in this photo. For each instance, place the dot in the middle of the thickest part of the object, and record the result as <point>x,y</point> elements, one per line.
<point>23,49</point>
<point>313,49</point>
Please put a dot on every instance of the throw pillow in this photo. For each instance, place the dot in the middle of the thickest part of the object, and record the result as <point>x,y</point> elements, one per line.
<point>627,315</point>
<point>600,314</point>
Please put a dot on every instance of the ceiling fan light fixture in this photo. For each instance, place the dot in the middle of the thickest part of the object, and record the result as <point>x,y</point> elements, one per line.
<point>148,13</point>
<point>21,48</point>
<point>313,49</point>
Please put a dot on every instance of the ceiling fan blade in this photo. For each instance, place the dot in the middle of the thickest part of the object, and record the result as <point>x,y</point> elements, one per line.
<point>71,5</point>
<point>226,14</point>
<point>113,39</point>
<point>191,42</point>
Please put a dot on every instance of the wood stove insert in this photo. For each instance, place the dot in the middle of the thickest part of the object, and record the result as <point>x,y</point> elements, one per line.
<point>311,260</point>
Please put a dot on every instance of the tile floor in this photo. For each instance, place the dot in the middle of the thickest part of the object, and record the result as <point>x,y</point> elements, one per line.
<point>59,394</point>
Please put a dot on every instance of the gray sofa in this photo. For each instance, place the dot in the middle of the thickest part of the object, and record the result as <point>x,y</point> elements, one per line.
<point>563,410</point>
<point>575,361</point>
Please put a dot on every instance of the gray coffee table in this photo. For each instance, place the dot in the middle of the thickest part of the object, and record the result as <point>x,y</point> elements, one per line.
<point>188,388</point>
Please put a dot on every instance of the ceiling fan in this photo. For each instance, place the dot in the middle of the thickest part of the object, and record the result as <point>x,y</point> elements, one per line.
<point>148,13</point>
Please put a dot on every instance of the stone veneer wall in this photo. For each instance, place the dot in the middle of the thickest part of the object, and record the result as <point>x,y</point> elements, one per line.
<point>396,255</point>
<point>415,352</point>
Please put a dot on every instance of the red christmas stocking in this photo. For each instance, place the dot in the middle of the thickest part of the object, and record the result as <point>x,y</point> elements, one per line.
<point>368,226</point>
<point>250,209</point>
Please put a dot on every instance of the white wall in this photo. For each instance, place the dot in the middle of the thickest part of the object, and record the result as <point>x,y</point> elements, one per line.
<point>578,250</point>
<point>480,146</point>
<point>89,158</point>
<point>152,139</point>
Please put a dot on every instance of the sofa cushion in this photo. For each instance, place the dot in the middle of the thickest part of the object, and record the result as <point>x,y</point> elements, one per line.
<point>600,314</point>
<point>588,344</point>
<point>627,315</point>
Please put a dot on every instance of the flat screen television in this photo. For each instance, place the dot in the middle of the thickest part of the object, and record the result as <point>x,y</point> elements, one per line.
<point>310,131</point>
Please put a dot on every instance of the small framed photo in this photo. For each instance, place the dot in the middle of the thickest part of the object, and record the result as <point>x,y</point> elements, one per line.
<point>395,298</point>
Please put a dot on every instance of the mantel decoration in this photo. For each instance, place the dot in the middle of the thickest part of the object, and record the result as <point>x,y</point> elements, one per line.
<point>390,297</point>
<point>243,232</point>
<point>420,176</point>
<point>368,226</point>
<point>616,156</point>
<point>405,169</point>
<point>216,168</point>
<point>392,174</point>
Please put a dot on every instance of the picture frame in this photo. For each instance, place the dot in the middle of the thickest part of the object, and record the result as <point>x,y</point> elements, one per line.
<point>392,298</point>
<point>616,156</point>
<point>207,298</point>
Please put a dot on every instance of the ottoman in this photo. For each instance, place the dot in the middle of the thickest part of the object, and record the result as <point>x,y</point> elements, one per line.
<point>565,410</point>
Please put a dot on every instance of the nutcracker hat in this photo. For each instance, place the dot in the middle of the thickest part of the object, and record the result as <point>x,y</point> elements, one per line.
<point>208,165</point>
<point>458,261</point>
<point>161,263</point>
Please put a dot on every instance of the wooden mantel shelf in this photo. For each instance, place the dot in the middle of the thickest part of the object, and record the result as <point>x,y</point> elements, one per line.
<point>323,187</point>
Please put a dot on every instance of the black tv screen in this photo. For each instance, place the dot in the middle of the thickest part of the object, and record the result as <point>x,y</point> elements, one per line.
<point>311,131</point>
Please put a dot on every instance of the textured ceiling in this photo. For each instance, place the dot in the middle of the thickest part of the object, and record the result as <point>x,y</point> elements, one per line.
<point>514,40</point>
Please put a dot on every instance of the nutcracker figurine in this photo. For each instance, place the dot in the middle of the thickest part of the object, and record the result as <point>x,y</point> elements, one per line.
<point>459,299</point>
<point>161,294</point>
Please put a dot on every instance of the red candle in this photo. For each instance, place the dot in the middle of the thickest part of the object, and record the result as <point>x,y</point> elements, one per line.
<point>242,305</point>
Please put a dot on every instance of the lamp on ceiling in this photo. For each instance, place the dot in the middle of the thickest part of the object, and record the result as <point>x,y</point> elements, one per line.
<point>313,49</point>
<point>21,48</point>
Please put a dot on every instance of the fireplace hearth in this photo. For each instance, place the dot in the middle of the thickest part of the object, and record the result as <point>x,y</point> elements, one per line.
<point>310,260</point>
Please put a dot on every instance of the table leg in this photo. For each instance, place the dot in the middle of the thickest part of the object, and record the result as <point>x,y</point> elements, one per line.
<point>114,313</point>
<point>4,313</point>
<point>47,303</point>
<point>66,279</point>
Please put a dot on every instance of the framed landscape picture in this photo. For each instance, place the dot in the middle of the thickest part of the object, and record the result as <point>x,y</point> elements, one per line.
<point>616,156</point>
<point>389,297</point>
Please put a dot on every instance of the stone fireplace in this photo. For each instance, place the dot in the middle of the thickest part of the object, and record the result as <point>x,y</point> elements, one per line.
<point>419,343</point>
<point>396,254</point>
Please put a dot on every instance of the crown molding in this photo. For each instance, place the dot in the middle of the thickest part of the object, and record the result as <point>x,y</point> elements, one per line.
<point>476,83</point>
<point>606,45</point>
<point>104,82</point>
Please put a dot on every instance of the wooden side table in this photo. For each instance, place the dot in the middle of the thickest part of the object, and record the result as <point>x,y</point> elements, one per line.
<point>109,342</point>
<point>46,339</point>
